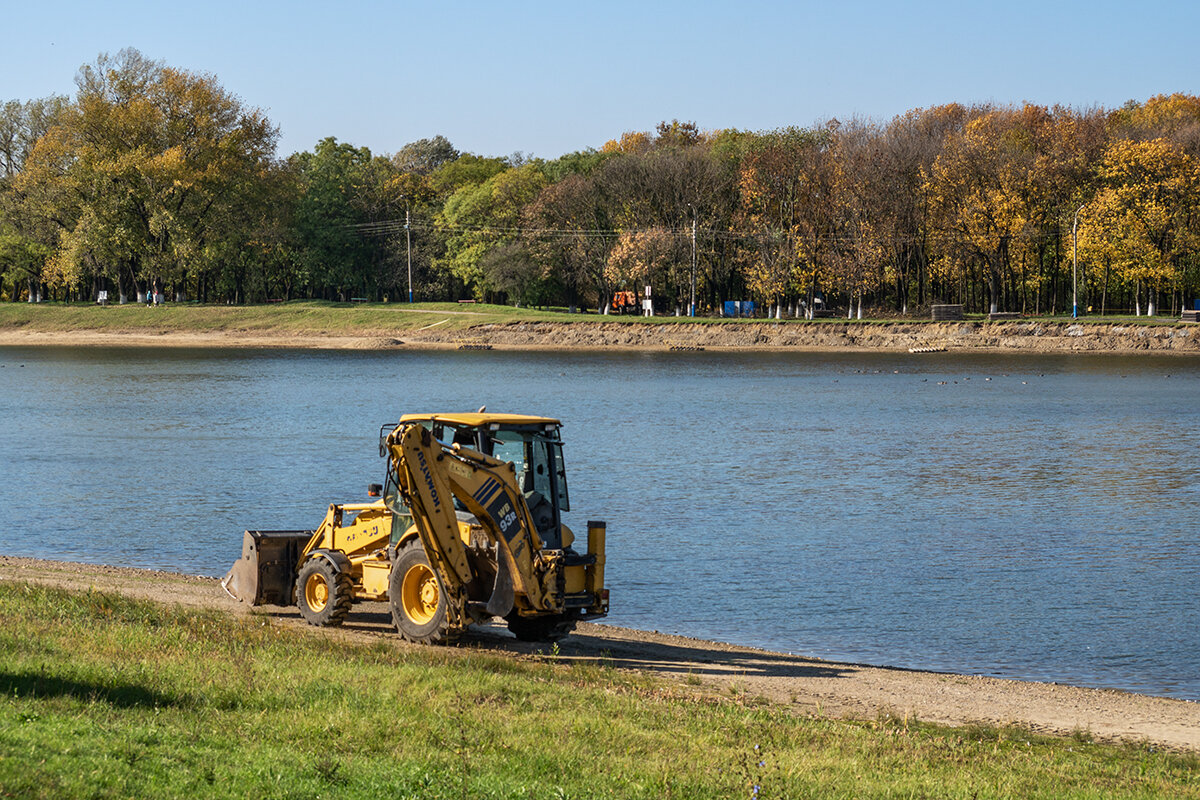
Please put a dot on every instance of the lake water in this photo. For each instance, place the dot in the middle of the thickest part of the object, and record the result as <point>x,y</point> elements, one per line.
<point>1027,516</point>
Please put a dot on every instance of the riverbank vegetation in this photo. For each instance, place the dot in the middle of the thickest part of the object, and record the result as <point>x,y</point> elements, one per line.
<point>152,179</point>
<point>103,696</point>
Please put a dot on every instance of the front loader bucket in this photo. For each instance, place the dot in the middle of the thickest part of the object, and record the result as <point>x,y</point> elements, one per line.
<point>266,572</point>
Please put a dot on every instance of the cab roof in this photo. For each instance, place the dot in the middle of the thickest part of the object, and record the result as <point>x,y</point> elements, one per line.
<point>476,420</point>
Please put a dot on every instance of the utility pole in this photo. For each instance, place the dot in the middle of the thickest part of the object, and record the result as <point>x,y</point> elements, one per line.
<point>692,307</point>
<point>408,239</point>
<point>1075,264</point>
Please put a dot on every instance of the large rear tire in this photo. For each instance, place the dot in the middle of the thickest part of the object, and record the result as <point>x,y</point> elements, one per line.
<point>417,599</point>
<point>539,629</point>
<point>323,592</point>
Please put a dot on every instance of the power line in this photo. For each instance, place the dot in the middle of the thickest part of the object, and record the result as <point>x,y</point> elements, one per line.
<point>386,227</point>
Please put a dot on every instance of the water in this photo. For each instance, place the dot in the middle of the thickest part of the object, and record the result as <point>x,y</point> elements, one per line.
<point>1021,516</point>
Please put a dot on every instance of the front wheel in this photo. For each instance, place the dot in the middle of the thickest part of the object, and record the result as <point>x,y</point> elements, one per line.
<point>323,593</point>
<point>416,597</point>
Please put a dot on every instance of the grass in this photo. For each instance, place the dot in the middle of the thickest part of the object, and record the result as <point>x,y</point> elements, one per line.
<point>314,318</point>
<point>102,696</point>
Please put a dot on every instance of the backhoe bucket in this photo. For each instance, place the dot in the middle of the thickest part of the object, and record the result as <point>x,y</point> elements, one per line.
<point>266,572</point>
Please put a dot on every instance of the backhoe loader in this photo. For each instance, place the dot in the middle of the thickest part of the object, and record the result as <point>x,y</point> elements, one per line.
<point>469,527</point>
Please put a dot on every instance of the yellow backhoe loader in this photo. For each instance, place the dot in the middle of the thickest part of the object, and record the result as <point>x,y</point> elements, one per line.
<point>469,527</point>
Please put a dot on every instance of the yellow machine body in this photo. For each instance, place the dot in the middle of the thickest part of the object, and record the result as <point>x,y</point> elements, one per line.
<point>460,536</point>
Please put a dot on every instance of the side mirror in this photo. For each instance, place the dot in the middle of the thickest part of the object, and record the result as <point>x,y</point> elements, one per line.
<point>374,489</point>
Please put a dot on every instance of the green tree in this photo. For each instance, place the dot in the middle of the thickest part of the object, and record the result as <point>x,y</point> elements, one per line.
<point>480,217</point>
<point>335,256</point>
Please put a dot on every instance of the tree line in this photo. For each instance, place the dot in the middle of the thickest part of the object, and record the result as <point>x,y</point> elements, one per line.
<point>155,179</point>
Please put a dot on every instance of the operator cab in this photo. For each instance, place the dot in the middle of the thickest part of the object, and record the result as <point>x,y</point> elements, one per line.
<point>532,444</point>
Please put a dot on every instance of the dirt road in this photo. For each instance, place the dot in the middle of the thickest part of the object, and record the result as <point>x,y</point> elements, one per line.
<point>809,686</point>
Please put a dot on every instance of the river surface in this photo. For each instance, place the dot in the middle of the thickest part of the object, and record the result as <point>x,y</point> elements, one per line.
<point>1025,516</point>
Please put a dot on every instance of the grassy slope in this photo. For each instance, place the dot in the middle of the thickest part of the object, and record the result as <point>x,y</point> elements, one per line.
<point>345,319</point>
<point>300,318</point>
<point>102,696</point>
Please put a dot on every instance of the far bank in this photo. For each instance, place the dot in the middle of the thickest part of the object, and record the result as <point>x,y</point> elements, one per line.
<point>450,326</point>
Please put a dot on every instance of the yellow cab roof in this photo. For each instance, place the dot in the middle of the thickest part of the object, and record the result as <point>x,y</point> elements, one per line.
<point>474,420</point>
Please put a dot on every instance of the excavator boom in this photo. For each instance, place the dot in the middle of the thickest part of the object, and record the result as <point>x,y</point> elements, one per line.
<point>430,476</point>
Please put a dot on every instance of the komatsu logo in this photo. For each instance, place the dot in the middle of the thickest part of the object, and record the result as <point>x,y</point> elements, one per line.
<point>437,503</point>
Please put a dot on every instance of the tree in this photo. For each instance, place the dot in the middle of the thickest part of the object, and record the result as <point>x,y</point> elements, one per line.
<point>979,191</point>
<point>134,176</point>
<point>478,218</point>
<point>573,242</point>
<point>425,155</point>
<point>1143,222</point>
<point>510,268</point>
<point>22,124</point>
<point>21,261</point>
<point>335,179</point>
<point>664,190</point>
<point>785,186</point>
<point>640,257</point>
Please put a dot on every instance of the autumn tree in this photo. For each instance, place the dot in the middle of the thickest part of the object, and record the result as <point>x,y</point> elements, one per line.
<point>641,257</point>
<point>573,236</point>
<point>21,125</point>
<point>134,176</point>
<point>978,190</point>
<point>1144,223</point>
<point>665,190</point>
<point>785,187</point>
<point>1175,117</point>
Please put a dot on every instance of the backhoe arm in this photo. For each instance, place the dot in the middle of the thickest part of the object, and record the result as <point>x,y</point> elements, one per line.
<point>430,475</point>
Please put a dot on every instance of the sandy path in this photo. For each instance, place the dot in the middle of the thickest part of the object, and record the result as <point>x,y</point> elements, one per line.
<point>808,685</point>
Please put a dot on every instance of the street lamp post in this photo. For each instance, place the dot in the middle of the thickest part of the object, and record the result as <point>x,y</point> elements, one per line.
<point>692,307</point>
<point>1075,264</point>
<point>408,240</point>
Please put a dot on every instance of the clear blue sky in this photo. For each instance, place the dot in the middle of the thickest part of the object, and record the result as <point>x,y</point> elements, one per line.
<point>551,77</point>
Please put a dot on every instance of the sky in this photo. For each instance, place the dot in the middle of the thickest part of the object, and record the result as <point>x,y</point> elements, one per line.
<point>548,78</point>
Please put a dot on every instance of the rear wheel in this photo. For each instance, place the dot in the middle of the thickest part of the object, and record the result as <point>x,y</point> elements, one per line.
<point>323,592</point>
<point>540,629</point>
<point>416,597</point>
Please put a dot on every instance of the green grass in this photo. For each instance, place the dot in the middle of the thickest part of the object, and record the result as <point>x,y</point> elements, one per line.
<point>318,318</point>
<point>102,696</point>
<point>297,318</point>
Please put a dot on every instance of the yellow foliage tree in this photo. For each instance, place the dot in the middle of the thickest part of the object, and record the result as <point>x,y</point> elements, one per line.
<point>1141,225</point>
<point>639,257</point>
<point>144,170</point>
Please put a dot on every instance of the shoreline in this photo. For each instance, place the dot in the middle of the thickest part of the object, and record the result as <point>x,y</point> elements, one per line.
<point>602,336</point>
<point>803,685</point>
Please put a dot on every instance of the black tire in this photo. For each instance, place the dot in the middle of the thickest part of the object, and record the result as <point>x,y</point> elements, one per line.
<point>540,629</point>
<point>417,599</point>
<point>323,592</point>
